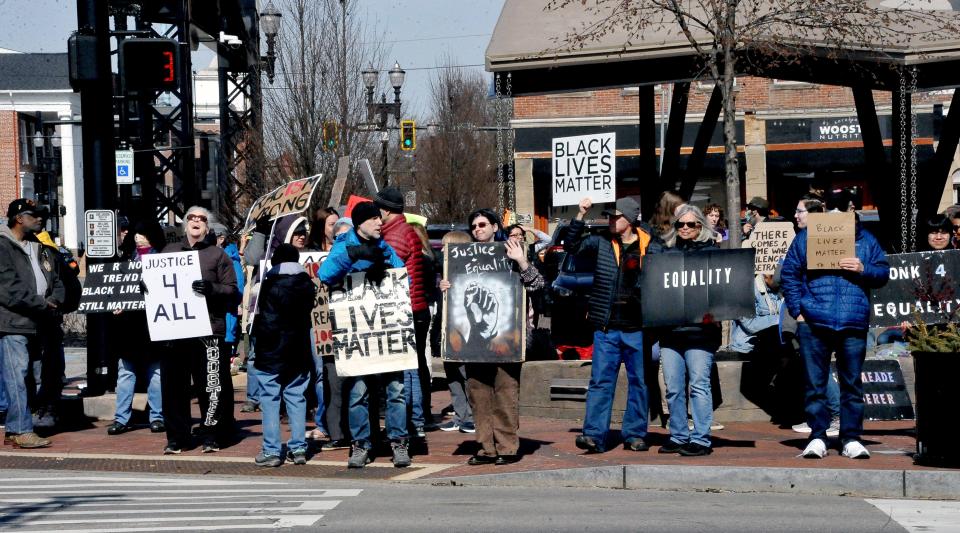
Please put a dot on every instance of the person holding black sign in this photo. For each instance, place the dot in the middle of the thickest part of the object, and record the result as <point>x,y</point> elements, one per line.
<point>494,388</point>
<point>615,315</point>
<point>206,358</point>
<point>686,352</point>
<point>364,250</point>
<point>835,309</point>
<point>939,230</point>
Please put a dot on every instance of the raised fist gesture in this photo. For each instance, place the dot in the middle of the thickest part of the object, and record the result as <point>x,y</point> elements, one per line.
<point>585,205</point>
<point>482,308</point>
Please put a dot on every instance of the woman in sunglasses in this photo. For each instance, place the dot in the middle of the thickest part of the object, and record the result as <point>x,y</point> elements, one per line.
<point>687,351</point>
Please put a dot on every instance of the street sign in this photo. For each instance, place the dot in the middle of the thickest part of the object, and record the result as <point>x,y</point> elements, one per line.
<point>124,159</point>
<point>100,229</point>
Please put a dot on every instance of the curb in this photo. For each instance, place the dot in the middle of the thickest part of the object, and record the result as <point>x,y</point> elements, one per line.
<point>923,484</point>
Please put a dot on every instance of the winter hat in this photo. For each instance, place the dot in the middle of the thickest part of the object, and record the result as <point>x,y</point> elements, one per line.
<point>363,212</point>
<point>390,199</point>
<point>285,253</point>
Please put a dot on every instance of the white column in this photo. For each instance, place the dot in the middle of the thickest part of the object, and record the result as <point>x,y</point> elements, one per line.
<point>71,153</point>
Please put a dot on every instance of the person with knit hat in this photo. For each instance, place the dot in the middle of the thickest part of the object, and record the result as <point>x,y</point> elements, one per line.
<point>404,240</point>
<point>364,250</point>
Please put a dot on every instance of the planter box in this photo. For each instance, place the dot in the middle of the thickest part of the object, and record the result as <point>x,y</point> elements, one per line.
<point>936,384</point>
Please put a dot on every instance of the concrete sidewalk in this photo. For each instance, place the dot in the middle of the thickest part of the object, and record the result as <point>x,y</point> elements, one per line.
<point>748,457</point>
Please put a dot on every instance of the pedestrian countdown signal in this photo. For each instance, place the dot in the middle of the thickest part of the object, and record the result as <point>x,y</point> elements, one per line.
<point>149,64</point>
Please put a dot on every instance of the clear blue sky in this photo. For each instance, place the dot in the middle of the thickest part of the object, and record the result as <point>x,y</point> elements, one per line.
<point>418,31</point>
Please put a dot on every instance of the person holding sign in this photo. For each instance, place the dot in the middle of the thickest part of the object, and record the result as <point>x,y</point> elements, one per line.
<point>364,250</point>
<point>686,352</point>
<point>833,311</point>
<point>615,315</point>
<point>493,388</point>
<point>206,358</point>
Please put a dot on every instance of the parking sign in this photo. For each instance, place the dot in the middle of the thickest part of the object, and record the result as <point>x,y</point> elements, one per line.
<point>124,160</point>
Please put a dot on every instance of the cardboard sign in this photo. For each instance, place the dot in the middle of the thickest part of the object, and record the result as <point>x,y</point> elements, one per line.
<point>320,330</point>
<point>921,284</point>
<point>485,309</point>
<point>830,238</point>
<point>885,394</point>
<point>100,233</point>
<point>111,286</point>
<point>770,240</point>
<point>174,311</point>
<point>697,288</point>
<point>372,325</point>
<point>584,166</point>
<point>294,197</point>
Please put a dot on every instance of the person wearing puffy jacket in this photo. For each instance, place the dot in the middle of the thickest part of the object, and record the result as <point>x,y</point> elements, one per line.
<point>832,308</point>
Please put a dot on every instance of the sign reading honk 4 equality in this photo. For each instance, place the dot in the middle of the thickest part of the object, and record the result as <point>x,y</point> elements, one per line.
<point>921,285</point>
<point>830,238</point>
<point>584,166</point>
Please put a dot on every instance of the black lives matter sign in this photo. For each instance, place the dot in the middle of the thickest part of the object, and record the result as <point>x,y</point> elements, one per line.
<point>697,288</point>
<point>111,287</point>
<point>584,167</point>
<point>921,285</point>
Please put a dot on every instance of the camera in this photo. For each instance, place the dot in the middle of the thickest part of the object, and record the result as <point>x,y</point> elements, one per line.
<point>231,41</point>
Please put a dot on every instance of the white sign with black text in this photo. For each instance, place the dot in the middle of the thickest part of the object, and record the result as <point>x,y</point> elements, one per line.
<point>100,233</point>
<point>174,311</point>
<point>584,166</point>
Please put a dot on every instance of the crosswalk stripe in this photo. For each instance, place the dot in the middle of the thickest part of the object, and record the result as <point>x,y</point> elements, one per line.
<point>326,492</point>
<point>61,509</point>
<point>309,519</point>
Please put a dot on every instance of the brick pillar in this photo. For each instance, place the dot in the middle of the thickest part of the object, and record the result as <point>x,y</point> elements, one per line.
<point>755,151</point>
<point>9,159</point>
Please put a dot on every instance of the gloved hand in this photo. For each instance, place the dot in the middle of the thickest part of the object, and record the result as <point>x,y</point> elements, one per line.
<point>264,224</point>
<point>377,271</point>
<point>202,286</point>
<point>364,252</point>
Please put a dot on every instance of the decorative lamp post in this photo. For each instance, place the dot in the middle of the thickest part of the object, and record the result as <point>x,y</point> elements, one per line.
<point>378,113</point>
<point>270,25</point>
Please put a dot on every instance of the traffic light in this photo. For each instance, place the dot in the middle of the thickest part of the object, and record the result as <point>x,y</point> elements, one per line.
<point>330,136</point>
<point>149,64</point>
<point>408,135</point>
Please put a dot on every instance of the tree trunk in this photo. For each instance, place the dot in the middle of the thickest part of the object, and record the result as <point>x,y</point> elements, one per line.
<point>731,163</point>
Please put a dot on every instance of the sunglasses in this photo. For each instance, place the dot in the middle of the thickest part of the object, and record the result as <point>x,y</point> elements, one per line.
<point>197,218</point>
<point>956,228</point>
<point>480,225</point>
<point>691,225</point>
<point>798,211</point>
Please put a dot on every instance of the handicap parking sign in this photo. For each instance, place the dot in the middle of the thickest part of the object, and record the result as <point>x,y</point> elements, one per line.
<point>123,170</point>
<point>124,161</point>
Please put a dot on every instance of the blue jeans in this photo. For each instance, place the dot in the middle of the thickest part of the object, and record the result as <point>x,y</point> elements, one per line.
<point>126,383</point>
<point>359,411</point>
<point>3,388</point>
<point>15,357</point>
<point>253,384</point>
<point>610,349</point>
<point>292,390</point>
<point>413,397</point>
<point>850,347</point>
<point>679,362</point>
<point>319,416</point>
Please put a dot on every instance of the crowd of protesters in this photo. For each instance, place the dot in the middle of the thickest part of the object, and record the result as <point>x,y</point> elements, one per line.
<point>803,317</point>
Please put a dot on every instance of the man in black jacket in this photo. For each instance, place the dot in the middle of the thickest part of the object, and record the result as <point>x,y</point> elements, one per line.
<point>30,290</point>
<point>207,358</point>
<point>615,313</point>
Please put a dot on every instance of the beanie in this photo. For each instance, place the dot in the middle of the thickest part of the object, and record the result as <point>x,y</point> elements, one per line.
<point>363,212</point>
<point>390,199</point>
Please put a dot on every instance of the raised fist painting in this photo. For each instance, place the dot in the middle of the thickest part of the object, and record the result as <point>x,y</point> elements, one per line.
<point>482,310</point>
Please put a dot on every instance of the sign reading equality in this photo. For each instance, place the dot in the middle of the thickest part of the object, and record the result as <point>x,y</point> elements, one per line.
<point>174,311</point>
<point>584,166</point>
<point>294,197</point>
<point>100,233</point>
<point>830,238</point>
<point>110,287</point>
<point>771,240</point>
<point>921,284</point>
<point>696,288</point>
<point>484,318</point>
<point>372,324</point>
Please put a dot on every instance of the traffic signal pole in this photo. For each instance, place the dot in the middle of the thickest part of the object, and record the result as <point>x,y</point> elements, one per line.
<point>99,180</point>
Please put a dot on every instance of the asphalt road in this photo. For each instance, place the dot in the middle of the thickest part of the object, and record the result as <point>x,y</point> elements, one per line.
<point>85,502</point>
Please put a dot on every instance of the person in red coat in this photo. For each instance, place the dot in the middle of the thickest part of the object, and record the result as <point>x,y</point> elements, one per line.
<point>405,241</point>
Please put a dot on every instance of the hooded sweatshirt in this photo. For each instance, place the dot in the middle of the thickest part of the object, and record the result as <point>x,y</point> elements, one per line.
<point>21,304</point>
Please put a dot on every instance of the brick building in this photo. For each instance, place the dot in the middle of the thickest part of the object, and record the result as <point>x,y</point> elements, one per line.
<point>791,137</point>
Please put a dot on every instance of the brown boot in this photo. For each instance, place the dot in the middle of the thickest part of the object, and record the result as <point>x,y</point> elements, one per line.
<point>29,440</point>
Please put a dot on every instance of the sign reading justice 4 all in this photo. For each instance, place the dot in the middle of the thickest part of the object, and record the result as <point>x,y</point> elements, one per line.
<point>585,166</point>
<point>174,311</point>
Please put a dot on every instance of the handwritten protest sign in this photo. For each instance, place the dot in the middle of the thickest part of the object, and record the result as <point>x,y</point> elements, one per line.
<point>111,286</point>
<point>372,324</point>
<point>696,288</point>
<point>585,165</point>
<point>485,308</point>
<point>320,331</point>
<point>830,238</point>
<point>294,197</point>
<point>770,240</point>
<point>174,311</point>
<point>921,284</point>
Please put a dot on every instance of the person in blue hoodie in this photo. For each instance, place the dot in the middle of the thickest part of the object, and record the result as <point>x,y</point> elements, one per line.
<point>232,337</point>
<point>832,308</point>
<point>364,250</point>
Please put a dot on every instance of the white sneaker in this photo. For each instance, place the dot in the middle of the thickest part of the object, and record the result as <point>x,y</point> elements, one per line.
<point>817,449</point>
<point>801,428</point>
<point>855,450</point>
<point>834,429</point>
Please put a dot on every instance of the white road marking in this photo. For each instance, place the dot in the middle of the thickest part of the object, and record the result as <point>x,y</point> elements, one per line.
<point>63,509</point>
<point>926,516</point>
<point>302,520</point>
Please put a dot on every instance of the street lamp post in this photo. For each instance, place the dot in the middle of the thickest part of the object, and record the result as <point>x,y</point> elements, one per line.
<point>270,24</point>
<point>378,113</point>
